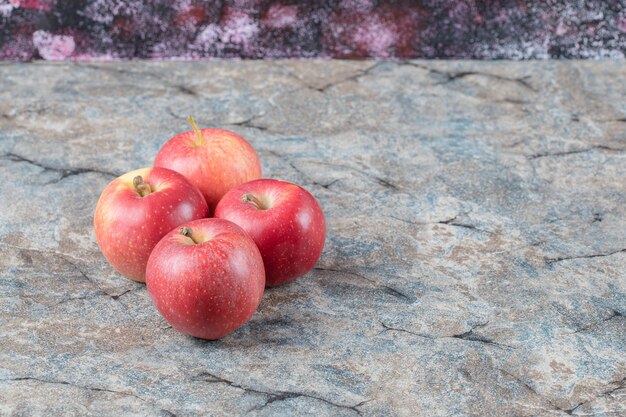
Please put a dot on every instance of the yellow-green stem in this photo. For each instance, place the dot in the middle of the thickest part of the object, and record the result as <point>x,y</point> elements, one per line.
<point>193,124</point>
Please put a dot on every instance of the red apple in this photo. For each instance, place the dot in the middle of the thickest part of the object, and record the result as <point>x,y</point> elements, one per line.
<point>214,160</point>
<point>285,221</point>
<point>206,278</point>
<point>137,209</point>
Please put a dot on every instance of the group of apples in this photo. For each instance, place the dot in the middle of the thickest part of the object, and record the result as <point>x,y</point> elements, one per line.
<point>206,276</point>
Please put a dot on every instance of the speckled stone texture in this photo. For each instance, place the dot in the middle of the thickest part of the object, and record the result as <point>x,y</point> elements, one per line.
<point>475,261</point>
<point>194,29</point>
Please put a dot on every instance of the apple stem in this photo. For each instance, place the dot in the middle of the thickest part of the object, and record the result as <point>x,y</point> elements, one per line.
<point>197,130</point>
<point>186,231</point>
<point>143,188</point>
<point>251,199</point>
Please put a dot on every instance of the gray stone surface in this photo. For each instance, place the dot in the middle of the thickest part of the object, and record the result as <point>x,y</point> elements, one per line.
<point>476,253</point>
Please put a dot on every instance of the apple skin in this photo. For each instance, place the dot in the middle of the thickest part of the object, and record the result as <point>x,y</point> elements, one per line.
<point>290,231</point>
<point>209,283</point>
<point>222,162</point>
<point>128,226</point>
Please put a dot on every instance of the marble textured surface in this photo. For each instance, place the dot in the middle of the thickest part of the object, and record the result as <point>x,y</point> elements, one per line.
<point>476,253</point>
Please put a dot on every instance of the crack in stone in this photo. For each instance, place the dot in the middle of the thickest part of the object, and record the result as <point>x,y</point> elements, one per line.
<point>33,110</point>
<point>327,185</point>
<point>621,384</point>
<point>302,82</point>
<point>174,115</point>
<point>514,144</point>
<point>359,74</point>
<point>185,90</point>
<point>407,221</point>
<point>273,396</point>
<point>575,151</point>
<point>129,394</point>
<point>178,87</point>
<point>387,289</point>
<point>82,297</point>
<point>450,222</point>
<point>550,261</point>
<point>273,399</point>
<point>514,101</point>
<point>474,337</point>
<point>613,315</point>
<point>65,258</point>
<point>116,296</point>
<point>248,123</point>
<point>520,80</point>
<point>382,181</point>
<point>469,335</point>
<point>398,329</point>
<point>533,391</point>
<point>385,183</point>
<point>63,172</point>
<point>211,378</point>
<point>82,273</point>
<point>311,180</point>
<point>453,76</point>
<point>299,171</point>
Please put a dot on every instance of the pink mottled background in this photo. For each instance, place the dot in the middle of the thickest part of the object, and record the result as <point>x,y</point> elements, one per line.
<point>187,29</point>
